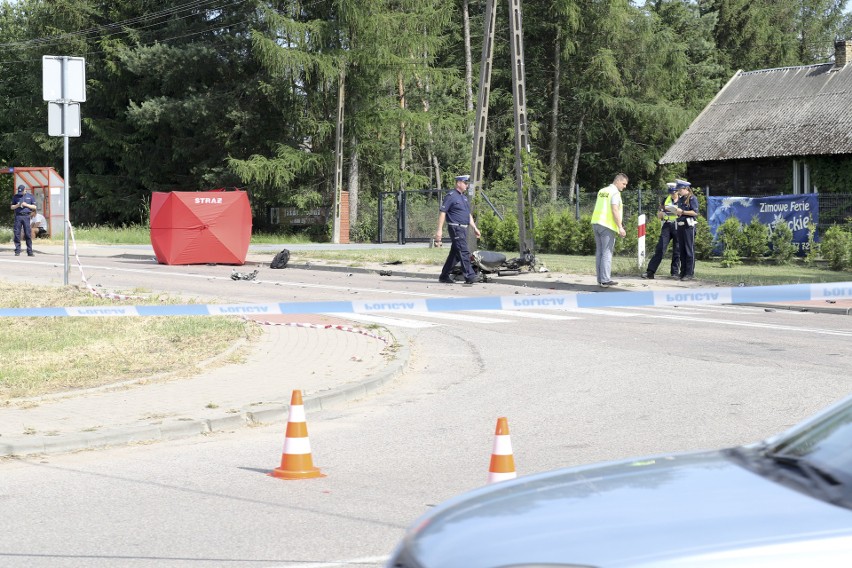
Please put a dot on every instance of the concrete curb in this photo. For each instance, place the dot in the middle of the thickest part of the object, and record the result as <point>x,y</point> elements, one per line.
<point>517,280</point>
<point>178,428</point>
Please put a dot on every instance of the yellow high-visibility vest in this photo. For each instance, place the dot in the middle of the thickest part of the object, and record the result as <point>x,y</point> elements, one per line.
<point>672,216</point>
<point>603,208</point>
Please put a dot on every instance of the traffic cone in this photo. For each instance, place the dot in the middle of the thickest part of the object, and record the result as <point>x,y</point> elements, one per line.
<point>502,461</point>
<point>296,462</point>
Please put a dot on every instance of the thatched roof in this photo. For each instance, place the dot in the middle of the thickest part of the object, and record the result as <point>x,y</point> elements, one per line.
<point>792,111</point>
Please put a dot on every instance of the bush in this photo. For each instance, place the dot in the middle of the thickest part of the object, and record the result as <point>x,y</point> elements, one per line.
<point>729,236</point>
<point>812,247</point>
<point>781,241</point>
<point>703,240</point>
<point>755,239</point>
<point>836,248</point>
<point>506,234</point>
<point>5,234</point>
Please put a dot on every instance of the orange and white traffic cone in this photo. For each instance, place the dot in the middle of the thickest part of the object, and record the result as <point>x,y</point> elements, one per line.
<point>296,461</point>
<point>502,460</point>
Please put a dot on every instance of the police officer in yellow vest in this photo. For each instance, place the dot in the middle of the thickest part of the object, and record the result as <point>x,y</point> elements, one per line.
<point>606,224</point>
<point>668,232</point>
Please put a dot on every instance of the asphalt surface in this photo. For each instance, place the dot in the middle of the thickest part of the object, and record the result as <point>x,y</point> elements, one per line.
<point>330,359</point>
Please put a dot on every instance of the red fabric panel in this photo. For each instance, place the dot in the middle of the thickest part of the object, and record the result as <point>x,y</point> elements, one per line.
<point>200,227</point>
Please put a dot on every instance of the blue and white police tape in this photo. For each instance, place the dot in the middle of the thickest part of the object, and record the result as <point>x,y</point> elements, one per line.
<point>697,296</point>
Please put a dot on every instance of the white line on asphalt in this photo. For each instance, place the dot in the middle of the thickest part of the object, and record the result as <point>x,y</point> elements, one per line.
<point>774,326</point>
<point>455,316</point>
<point>597,312</point>
<point>527,314</point>
<point>367,561</point>
<point>382,320</point>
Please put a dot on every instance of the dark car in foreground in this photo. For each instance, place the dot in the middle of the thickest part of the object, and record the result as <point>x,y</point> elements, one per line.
<point>783,502</point>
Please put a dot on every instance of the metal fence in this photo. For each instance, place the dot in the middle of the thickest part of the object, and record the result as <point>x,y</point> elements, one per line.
<point>408,216</point>
<point>419,210</point>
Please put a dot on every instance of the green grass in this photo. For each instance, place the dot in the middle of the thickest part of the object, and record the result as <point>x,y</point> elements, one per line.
<point>141,235</point>
<point>60,354</point>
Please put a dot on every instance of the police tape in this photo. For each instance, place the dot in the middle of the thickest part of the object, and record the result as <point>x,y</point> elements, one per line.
<point>94,291</point>
<point>697,296</point>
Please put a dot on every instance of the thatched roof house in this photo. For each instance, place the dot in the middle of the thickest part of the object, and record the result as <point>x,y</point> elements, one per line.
<point>756,135</point>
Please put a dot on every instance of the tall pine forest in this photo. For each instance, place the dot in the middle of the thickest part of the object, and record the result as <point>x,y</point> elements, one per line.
<point>200,94</point>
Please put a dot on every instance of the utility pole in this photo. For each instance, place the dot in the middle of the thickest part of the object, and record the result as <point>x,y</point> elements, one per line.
<point>480,125</point>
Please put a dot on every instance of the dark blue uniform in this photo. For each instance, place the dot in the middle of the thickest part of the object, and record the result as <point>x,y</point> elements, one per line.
<point>668,232</point>
<point>686,236</point>
<point>457,209</point>
<point>22,222</point>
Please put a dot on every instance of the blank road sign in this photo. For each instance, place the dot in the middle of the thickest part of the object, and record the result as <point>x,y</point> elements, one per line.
<point>74,88</point>
<point>70,126</point>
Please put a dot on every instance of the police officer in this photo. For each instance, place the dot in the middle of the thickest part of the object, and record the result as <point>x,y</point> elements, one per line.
<point>22,204</point>
<point>606,225</point>
<point>455,211</point>
<point>687,213</point>
<point>668,232</point>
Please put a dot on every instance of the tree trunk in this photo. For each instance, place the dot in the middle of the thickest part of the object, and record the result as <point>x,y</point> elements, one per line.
<point>554,122</point>
<point>576,160</point>
<point>433,158</point>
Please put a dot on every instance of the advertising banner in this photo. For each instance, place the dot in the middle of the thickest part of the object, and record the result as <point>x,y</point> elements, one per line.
<point>799,212</point>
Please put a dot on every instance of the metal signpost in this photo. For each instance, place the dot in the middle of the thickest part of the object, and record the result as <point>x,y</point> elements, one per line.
<point>64,87</point>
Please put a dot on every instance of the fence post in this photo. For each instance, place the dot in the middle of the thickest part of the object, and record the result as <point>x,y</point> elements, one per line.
<point>577,202</point>
<point>381,228</point>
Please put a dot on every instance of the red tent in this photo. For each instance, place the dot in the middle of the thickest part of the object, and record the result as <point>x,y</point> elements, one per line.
<point>200,227</point>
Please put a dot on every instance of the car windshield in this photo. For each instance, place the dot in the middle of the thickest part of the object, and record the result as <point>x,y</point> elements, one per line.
<point>822,451</point>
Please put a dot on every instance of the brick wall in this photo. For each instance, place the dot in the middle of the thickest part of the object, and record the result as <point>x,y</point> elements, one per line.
<point>344,217</point>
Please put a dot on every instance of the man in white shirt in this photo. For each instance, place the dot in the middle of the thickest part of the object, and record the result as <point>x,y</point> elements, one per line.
<point>38,224</point>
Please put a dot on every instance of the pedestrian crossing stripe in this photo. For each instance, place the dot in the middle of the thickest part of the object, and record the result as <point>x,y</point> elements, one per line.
<point>697,296</point>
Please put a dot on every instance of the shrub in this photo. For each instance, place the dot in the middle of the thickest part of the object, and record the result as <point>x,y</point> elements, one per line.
<point>729,236</point>
<point>703,240</point>
<point>506,234</point>
<point>783,249</point>
<point>755,239</point>
<point>836,248</point>
<point>813,248</point>
<point>5,234</point>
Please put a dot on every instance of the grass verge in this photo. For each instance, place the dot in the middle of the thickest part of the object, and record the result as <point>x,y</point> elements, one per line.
<point>47,355</point>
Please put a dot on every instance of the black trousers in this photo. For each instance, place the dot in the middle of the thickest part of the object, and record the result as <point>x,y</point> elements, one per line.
<point>459,251</point>
<point>667,233</point>
<point>686,242</point>
<point>22,223</point>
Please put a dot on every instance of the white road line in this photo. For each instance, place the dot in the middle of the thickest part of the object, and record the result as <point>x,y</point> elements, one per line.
<point>383,320</point>
<point>367,561</point>
<point>527,314</point>
<point>657,309</point>
<point>774,326</point>
<point>90,267</point>
<point>597,312</point>
<point>455,316</point>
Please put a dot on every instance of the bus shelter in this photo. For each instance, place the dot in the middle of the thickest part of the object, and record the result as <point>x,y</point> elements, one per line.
<point>48,189</point>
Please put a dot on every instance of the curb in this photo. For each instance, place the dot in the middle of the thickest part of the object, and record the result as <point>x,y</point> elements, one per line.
<point>511,281</point>
<point>252,415</point>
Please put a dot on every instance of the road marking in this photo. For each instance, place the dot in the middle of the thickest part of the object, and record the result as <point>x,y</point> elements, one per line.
<point>531,315</point>
<point>774,326</point>
<point>456,316</point>
<point>595,311</point>
<point>366,561</point>
<point>383,320</point>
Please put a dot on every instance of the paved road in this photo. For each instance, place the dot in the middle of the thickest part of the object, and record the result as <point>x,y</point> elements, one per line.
<point>577,386</point>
